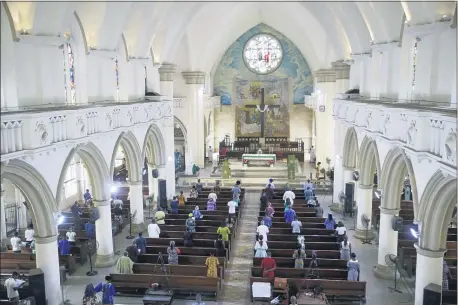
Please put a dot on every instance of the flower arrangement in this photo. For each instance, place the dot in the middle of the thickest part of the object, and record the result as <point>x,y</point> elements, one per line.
<point>270,162</point>
<point>246,161</point>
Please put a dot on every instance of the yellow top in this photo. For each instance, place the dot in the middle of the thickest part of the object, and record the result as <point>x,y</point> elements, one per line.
<point>224,231</point>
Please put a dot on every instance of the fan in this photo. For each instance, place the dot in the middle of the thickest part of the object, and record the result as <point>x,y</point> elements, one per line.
<point>356,175</point>
<point>92,246</point>
<point>130,236</point>
<point>365,222</point>
<point>391,261</point>
<point>342,197</point>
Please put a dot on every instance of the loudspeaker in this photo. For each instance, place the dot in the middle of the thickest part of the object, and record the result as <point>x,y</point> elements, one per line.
<point>396,223</point>
<point>432,295</point>
<point>162,196</point>
<point>155,173</point>
<point>37,285</point>
<point>349,197</point>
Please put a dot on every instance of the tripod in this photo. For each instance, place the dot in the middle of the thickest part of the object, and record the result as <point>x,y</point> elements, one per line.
<point>160,261</point>
<point>395,288</point>
<point>130,236</point>
<point>312,271</point>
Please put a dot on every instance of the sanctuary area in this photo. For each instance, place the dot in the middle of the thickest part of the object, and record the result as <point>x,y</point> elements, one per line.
<point>191,153</point>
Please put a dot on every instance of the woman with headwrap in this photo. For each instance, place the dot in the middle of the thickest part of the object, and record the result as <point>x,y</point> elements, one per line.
<point>90,297</point>
<point>172,251</point>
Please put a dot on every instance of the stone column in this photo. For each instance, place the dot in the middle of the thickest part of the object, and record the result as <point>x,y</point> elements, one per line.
<point>338,179</point>
<point>79,173</point>
<point>342,70</point>
<point>152,182</point>
<point>162,175</point>
<point>347,176</point>
<point>47,258</point>
<point>388,243</point>
<point>429,271</point>
<point>364,202</point>
<point>167,75</point>
<point>21,209</point>
<point>136,206</point>
<point>194,99</point>
<point>2,215</point>
<point>325,87</point>
<point>105,256</point>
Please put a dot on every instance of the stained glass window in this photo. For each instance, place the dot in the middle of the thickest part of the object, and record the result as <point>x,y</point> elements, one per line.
<point>414,64</point>
<point>263,54</point>
<point>65,71</point>
<point>117,78</point>
<point>71,68</point>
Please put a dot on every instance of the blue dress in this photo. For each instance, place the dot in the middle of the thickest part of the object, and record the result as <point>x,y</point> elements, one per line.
<point>267,221</point>
<point>197,214</point>
<point>289,215</point>
<point>329,224</point>
<point>353,270</point>
<point>174,206</point>
<point>140,242</point>
<point>108,292</point>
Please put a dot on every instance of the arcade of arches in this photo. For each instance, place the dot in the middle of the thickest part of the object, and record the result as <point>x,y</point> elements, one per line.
<point>130,96</point>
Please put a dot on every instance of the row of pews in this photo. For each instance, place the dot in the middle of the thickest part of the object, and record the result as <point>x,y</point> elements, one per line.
<point>189,277</point>
<point>332,271</point>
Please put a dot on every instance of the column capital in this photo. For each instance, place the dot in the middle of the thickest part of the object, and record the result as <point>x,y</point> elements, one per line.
<point>167,72</point>
<point>162,166</point>
<point>430,253</point>
<point>386,211</point>
<point>151,165</point>
<point>101,203</point>
<point>423,30</point>
<point>381,47</point>
<point>135,183</point>
<point>365,187</point>
<point>342,69</point>
<point>45,240</point>
<point>348,168</point>
<point>194,77</point>
<point>325,76</point>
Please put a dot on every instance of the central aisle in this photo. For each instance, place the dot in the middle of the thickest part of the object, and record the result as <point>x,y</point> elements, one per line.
<point>236,286</point>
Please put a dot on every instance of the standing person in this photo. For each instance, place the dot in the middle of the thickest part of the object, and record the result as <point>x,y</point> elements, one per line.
<point>212,195</point>
<point>71,235</point>
<point>308,194</point>
<point>267,221</point>
<point>220,246</point>
<point>287,204</point>
<point>89,228</point>
<point>262,230</point>
<point>174,205</point>
<point>153,229</point>
<point>187,238</point>
<point>271,184</point>
<point>311,203</point>
<point>12,285</point>
<point>118,214</point>
<point>191,223</point>
<point>232,209</point>
<point>268,266</point>
<point>76,213</point>
<point>87,196</point>
<point>90,297</point>
<point>210,154</point>
<point>117,202</point>
<point>299,255</point>
<point>141,243</point>
<point>160,216</point>
<point>318,210</point>
<point>341,232</point>
<point>289,215</point>
<point>64,246</point>
<point>312,155</point>
<point>353,268</point>
<point>199,187</point>
<point>330,223</point>
<point>193,193</point>
<point>217,188</point>
<point>181,199</point>
<point>260,247</point>
<point>29,235</point>
<point>289,195</point>
<point>270,210</point>
<point>296,225</point>
<point>445,275</point>
<point>224,231</point>
<point>211,205</point>
<point>212,263</point>
<point>345,249</point>
<point>16,243</point>
<point>236,192</point>
<point>197,214</point>
<point>108,291</point>
<point>269,193</point>
<point>263,199</point>
<point>132,251</point>
<point>125,264</point>
<point>172,252</point>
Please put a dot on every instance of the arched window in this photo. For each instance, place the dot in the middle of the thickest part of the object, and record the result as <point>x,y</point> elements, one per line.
<point>262,54</point>
<point>71,68</point>
<point>414,64</point>
<point>117,79</point>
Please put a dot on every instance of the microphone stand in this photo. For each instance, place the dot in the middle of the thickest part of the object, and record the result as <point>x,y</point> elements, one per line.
<point>130,236</point>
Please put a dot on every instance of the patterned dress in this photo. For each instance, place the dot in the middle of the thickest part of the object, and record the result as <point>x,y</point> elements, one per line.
<point>345,251</point>
<point>353,270</point>
<point>173,255</point>
<point>445,276</point>
<point>211,205</point>
<point>299,259</point>
<point>212,264</point>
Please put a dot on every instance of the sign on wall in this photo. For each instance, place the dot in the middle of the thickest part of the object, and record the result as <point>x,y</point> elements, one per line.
<point>322,108</point>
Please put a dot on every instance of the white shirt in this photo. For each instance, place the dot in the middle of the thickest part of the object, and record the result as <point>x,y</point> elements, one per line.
<point>290,195</point>
<point>9,285</point>
<point>341,230</point>
<point>117,202</point>
<point>16,243</point>
<point>272,185</point>
<point>232,204</point>
<point>154,230</point>
<point>263,230</point>
<point>29,234</point>
<point>212,196</point>
<point>71,236</point>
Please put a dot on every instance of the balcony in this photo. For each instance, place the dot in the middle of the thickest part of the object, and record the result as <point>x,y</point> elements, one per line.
<point>30,128</point>
<point>210,102</point>
<point>419,126</point>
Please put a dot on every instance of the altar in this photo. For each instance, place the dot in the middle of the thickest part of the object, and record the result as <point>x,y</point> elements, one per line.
<point>259,159</point>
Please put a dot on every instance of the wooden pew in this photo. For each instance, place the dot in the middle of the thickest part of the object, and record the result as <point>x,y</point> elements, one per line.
<point>69,261</point>
<point>184,251</point>
<point>332,254</point>
<point>175,269</point>
<point>288,262</point>
<point>335,274</point>
<point>202,243</point>
<point>287,245</point>
<point>182,259</point>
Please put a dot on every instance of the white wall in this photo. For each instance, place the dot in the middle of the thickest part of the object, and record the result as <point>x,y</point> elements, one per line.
<point>224,124</point>
<point>301,120</point>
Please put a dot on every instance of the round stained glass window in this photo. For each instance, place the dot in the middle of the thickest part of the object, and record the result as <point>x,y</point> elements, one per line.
<point>262,54</point>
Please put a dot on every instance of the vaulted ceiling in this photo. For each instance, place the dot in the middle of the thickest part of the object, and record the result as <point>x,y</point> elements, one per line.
<point>202,31</point>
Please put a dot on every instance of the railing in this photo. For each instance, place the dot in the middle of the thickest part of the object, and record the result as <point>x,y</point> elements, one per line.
<point>178,102</point>
<point>42,126</point>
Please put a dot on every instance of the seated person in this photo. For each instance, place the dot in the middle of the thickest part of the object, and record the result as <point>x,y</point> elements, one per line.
<point>211,205</point>
<point>212,195</point>
<point>318,210</point>
<point>187,238</point>
<point>174,205</point>
<point>191,223</point>
<point>64,246</point>
<point>197,214</point>
<point>341,231</point>
<point>160,216</point>
<point>87,196</point>
<point>199,187</point>
<point>193,193</point>
<point>117,202</point>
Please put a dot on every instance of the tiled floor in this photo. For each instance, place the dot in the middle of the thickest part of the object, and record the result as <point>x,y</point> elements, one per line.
<point>377,289</point>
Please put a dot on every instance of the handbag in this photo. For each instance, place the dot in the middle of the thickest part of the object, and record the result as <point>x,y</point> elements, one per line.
<point>280,283</point>
<point>178,251</point>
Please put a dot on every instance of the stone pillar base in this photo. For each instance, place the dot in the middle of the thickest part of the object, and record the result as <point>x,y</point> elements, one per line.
<point>104,261</point>
<point>384,272</point>
<point>336,207</point>
<point>138,227</point>
<point>361,234</point>
<point>189,169</point>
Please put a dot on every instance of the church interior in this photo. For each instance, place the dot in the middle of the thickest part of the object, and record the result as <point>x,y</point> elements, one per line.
<point>228,153</point>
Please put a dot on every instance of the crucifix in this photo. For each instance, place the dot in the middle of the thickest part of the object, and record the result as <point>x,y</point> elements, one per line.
<point>262,108</point>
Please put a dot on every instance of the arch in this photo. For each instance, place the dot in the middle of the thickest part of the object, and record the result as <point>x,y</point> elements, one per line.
<point>180,124</point>
<point>33,186</point>
<point>10,21</point>
<point>350,150</point>
<point>395,168</point>
<point>124,44</point>
<point>369,161</point>
<point>96,167</point>
<point>436,209</point>
<point>154,146</point>
<point>83,34</point>
<point>133,153</point>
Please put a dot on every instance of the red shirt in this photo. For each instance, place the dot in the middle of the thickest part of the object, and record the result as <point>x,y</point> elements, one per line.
<point>267,264</point>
